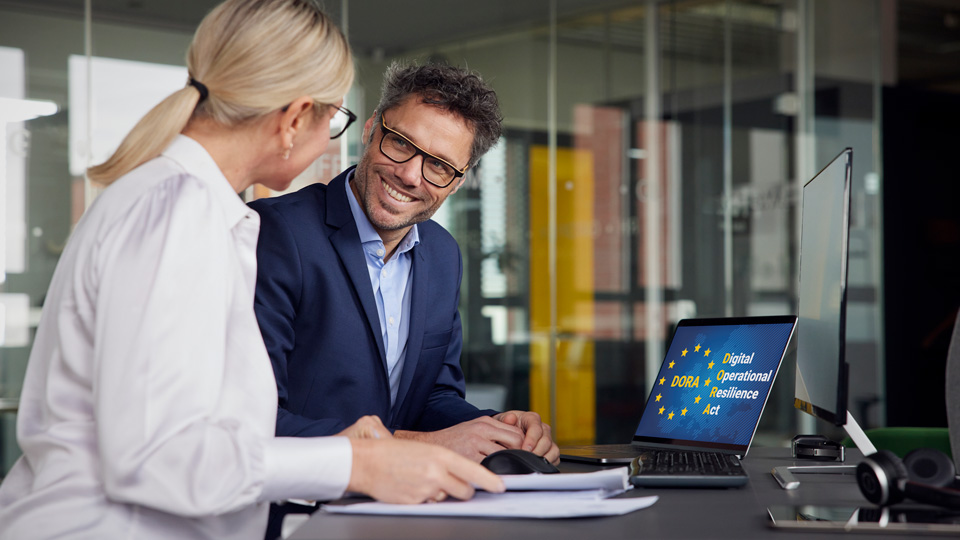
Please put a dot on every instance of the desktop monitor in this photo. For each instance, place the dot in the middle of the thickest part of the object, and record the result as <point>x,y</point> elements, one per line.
<point>821,323</point>
<point>821,388</point>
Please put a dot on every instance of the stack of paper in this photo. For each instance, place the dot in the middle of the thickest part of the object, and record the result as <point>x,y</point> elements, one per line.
<point>607,479</point>
<point>528,496</point>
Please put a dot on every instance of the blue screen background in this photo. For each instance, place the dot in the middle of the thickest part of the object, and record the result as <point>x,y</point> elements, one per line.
<point>736,419</point>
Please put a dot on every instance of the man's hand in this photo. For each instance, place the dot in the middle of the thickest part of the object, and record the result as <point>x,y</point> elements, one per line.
<point>367,427</point>
<point>410,472</point>
<point>536,434</point>
<point>474,439</point>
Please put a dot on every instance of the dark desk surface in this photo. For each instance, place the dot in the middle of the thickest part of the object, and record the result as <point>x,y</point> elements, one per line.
<point>680,513</point>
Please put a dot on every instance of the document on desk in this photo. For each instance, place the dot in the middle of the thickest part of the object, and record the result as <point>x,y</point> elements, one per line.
<point>608,479</point>
<point>513,504</point>
<point>538,496</point>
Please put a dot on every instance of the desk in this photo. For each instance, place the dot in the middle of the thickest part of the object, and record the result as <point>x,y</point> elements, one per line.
<point>680,513</point>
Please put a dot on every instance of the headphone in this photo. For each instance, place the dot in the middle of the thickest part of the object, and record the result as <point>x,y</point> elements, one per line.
<point>924,475</point>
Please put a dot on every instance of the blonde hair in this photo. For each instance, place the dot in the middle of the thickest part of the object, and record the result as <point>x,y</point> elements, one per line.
<point>253,56</point>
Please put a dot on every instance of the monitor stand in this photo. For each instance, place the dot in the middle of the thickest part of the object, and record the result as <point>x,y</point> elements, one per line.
<point>785,475</point>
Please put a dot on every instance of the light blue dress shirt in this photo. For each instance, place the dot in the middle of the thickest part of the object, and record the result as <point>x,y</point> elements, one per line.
<point>391,282</point>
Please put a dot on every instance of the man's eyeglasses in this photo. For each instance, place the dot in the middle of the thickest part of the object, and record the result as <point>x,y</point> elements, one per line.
<point>341,121</point>
<point>401,149</point>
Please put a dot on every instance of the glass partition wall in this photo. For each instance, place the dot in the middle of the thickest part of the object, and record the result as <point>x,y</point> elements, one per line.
<point>650,170</point>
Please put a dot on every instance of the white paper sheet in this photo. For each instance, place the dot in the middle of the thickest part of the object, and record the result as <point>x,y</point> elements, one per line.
<point>525,504</point>
<point>609,479</point>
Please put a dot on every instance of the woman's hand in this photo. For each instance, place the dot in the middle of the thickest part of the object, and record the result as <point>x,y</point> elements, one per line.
<point>410,472</point>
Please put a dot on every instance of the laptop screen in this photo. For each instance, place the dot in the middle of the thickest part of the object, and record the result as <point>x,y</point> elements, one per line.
<point>714,382</point>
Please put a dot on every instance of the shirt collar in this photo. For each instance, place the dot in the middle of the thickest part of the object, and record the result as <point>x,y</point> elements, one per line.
<point>365,228</point>
<point>196,161</point>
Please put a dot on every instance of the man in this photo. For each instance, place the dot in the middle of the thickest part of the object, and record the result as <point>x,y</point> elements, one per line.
<point>357,289</point>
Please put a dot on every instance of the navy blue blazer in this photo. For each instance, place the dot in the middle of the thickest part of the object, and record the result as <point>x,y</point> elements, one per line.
<point>319,321</point>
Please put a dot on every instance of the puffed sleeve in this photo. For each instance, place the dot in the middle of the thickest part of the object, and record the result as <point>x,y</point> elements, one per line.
<point>164,273</point>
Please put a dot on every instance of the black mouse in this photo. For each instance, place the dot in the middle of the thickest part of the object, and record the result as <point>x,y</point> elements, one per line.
<point>513,461</point>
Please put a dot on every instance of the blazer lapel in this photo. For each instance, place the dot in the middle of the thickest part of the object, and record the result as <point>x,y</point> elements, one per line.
<point>346,240</point>
<point>418,306</point>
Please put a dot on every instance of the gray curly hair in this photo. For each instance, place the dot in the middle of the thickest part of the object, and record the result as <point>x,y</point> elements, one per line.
<point>454,89</point>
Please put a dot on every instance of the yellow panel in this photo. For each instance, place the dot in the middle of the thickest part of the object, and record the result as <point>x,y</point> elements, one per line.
<point>576,402</point>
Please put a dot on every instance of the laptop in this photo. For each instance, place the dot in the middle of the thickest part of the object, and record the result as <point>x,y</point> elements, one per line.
<point>706,402</point>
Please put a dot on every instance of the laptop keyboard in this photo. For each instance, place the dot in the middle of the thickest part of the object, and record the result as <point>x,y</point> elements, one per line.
<point>679,462</point>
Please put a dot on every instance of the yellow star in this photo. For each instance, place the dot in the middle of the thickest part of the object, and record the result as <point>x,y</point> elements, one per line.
<point>662,379</point>
<point>683,412</point>
<point>697,348</point>
<point>661,410</point>
<point>710,365</point>
<point>706,383</point>
<point>707,353</point>
<point>658,397</point>
<point>671,364</point>
<point>670,416</point>
<point>683,352</point>
<point>697,400</point>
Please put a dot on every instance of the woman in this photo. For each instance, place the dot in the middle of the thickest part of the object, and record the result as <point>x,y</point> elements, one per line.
<point>149,404</point>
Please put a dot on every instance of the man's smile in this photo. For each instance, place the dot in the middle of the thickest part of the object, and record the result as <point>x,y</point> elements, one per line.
<point>394,194</point>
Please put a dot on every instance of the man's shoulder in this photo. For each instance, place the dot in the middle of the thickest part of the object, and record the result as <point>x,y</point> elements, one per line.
<point>310,195</point>
<point>310,199</point>
<point>434,235</point>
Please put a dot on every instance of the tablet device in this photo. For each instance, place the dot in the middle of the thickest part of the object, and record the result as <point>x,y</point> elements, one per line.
<point>872,520</point>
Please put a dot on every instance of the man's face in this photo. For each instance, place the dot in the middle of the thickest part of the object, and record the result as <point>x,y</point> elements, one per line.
<point>394,195</point>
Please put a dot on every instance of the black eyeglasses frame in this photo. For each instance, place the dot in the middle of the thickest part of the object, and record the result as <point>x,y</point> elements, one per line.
<point>457,173</point>
<point>351,118</point>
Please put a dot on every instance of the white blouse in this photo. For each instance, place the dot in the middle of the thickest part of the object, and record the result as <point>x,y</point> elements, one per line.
<point>149,403</point>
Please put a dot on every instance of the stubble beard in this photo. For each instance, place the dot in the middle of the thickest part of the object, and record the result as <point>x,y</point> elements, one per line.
<point>371,204</point>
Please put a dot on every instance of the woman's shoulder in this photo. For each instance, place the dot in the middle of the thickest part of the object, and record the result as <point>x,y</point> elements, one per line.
<point>157,178</point>
<point>152,191</point>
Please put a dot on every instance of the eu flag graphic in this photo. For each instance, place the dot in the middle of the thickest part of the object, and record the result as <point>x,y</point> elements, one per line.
<point>713,383</point>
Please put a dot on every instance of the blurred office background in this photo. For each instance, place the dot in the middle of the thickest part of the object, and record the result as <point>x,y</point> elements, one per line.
<point>650,170</point>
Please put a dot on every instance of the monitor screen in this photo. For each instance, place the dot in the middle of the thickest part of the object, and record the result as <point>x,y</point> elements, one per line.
<point>821,370</point>
<point>714,382</point>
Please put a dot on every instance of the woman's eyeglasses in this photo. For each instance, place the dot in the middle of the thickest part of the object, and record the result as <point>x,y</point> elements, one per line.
<point>341,121</point>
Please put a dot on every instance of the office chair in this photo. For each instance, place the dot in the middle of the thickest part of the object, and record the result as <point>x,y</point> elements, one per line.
<point>953,391</point>
<point>926,474</point>
<point>901,440</point>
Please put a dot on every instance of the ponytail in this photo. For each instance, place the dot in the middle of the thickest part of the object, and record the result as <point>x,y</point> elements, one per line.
<point>151,136</point>
<point>253,57</point>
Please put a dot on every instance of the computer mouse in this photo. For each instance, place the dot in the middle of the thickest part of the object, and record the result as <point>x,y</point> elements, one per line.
<point>512,461</point>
